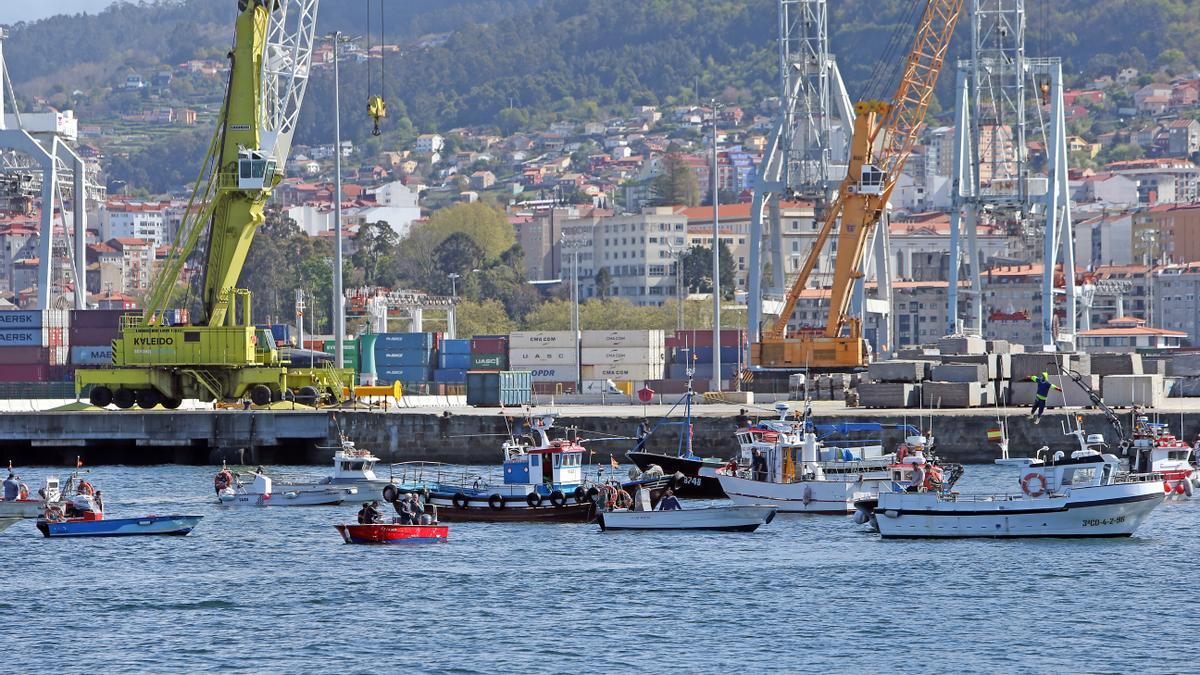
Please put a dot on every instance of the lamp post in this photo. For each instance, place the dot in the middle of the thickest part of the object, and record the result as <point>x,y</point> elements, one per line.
<point>339,301</point>
<point>574,247</point>
<point>716,260</point>
<point>678,258</point>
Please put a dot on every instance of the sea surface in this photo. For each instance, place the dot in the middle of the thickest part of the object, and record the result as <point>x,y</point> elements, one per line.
<point>276,590</point>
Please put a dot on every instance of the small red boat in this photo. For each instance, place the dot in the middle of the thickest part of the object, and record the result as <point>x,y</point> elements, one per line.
<point>389,533</point>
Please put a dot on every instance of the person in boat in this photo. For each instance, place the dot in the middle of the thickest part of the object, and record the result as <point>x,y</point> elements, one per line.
<point>669,502</point>
<point>742,420</point>
<point>369,514</point>
<point>917,483</point>
<point>99,499</point>
<point>404,507</point>
<point>12,487</point>
<point>1044,385</point>
<point>758,465</point>
<point>643,432</point>
<point>417,509</point>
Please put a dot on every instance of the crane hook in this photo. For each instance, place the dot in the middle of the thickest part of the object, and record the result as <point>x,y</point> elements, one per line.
<point>377,109</point>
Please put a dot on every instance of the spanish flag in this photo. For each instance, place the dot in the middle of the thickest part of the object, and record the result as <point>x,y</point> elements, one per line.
<point>995,435</point>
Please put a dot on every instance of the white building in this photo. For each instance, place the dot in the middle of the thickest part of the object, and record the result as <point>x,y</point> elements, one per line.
<point>134,220</point>
<point>430,143</point>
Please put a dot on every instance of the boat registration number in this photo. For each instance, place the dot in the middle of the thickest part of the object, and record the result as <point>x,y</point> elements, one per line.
<point>1097,522</point>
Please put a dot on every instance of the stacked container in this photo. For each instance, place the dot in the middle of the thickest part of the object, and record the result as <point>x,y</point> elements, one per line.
<point>623,355</point>
<point>407,358</point>
<point>33,346</point>
<point>453,361</point>
<point>549,356</point>
<point>499,389</point>
<point>91,335</point>
<point>696,348</point>
<point>489,352</point>
<point>350,352</point>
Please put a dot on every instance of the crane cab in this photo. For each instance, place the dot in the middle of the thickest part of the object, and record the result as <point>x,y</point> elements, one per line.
<point>872,180</point>
<point>255,171</point>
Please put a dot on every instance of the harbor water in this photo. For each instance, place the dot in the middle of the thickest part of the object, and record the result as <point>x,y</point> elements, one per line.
<point>276,590</point>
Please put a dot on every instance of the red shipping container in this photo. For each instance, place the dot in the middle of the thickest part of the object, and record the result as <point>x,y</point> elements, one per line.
<point>91,335</point>
<point>730,337</point>
<point>24,355</point>
<point>489,345</point>
<point>29,372</point>
<point>99,318</point>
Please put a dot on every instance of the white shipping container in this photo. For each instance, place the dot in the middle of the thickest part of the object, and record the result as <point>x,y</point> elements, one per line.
<point>592,356</point>
<point>549,373</point>
<point>624,338</point>
<point>535,356</point>
<point>536,339</point>
<point>635,371</point>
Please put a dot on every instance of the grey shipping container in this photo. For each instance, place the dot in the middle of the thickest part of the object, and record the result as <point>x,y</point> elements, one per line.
<point>499,389</point>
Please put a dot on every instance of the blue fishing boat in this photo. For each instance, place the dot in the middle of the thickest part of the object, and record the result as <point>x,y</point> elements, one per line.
<point>92,526</point>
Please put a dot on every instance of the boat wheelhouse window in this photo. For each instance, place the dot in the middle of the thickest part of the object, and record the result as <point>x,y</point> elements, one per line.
<point>1178,454</point>
<point>1083,476</point>
<point>534,460</point>
<point>557,460</point>
<point>1106,474</point>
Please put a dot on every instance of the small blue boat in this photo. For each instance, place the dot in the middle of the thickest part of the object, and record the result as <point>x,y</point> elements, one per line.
<point>118,527</point>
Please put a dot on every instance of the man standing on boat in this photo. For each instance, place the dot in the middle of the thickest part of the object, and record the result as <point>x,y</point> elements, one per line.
<point>12,488</point>
<point>643,432</point>
<point>1044,385</point>
<point>758,465</point>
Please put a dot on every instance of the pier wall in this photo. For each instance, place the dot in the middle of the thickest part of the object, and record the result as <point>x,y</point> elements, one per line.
<point>469,437</point>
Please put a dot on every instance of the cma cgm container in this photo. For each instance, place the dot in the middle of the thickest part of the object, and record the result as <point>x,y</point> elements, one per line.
<point>506,388</point>
<point>654,339</point>
<point>536,339</point>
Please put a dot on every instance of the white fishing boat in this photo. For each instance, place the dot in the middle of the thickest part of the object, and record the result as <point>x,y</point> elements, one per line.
<point>6,523</point>
<point>261,491</point>
<point>355,468</point>
<point>798,472</point>
<point>28,505</point>
<point>717,518</point>
<point>1084,495</point>
<point>1154,449</point>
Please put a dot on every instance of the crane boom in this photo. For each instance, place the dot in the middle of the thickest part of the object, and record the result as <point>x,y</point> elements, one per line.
<point>883,138</point>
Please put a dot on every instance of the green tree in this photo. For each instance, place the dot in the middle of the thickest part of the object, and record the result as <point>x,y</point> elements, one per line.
<point>697,270</point>
<point>676,185</point>
<point>375,253</point>
<point>603,283</point>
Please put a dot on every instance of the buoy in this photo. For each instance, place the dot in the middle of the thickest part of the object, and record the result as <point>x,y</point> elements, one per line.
<point>1166,486</point>
<point>1187,487</point>
<point>1179,489</point>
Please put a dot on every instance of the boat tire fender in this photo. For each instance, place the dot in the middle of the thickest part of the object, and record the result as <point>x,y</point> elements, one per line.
<point>557,498</point>
<point>460,500</point>
<point>496,502</point>
<point>390,493</point>
<point>581,495</point>
<point>533,499</point>
<point>1187,487</point>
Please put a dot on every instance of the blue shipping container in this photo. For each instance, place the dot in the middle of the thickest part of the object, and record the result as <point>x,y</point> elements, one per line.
<point>455,347</point>
<point>100,355</point>
<point>450,375</point>
<point>402,374</point>
<point>705,354</point>
<point>11,338</point>
<point>21,319</point>
<point>405,341</point>
<point>457,361</point>
<point>388,358</point>
<point>678,371</point>
<point>495,389</point>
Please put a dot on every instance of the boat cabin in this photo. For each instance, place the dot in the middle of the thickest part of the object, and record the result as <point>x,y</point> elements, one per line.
<point>1089,466</point>
<point>350,463</point>
<point>1155,448</point>
<point>536,459</point>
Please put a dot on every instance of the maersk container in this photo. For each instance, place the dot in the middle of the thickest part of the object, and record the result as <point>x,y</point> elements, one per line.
<point>405,341</point>
<point>450,375</point>
<point>26,337</point>
<point>99,355</point>
<point>454,361</point>
<point>455,347</point>
<point>21,319</point>
<point>506,388</point>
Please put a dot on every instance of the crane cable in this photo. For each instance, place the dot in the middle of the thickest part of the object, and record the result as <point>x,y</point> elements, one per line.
<point>376,107</point>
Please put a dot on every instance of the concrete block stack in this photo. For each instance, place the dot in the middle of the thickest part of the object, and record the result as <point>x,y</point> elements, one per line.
<point>893,384</point>
<point>1116,364</point>
<point>965,377</point>
<point>1144,391</point>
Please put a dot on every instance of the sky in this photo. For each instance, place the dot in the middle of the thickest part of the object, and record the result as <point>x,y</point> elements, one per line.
<point>12,11</point>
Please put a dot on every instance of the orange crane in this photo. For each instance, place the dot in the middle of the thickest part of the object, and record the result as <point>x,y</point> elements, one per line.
<point>883,138</point>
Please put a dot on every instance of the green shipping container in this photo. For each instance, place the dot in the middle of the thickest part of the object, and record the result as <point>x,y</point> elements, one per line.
<point>496,389</point>
<point>349,352</point>
<point>489,361</point>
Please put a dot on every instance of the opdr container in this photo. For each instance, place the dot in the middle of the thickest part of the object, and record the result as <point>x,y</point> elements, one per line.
<point>624,338</point>
<point>545,338</point>
<point>551,373</point>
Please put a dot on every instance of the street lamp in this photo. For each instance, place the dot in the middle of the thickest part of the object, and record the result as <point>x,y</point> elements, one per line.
<point>339,301</point>
<point>574,246</point>
<point>716,259</point>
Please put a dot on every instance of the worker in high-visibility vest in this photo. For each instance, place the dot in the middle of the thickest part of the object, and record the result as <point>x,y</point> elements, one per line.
<point>1044,385</point>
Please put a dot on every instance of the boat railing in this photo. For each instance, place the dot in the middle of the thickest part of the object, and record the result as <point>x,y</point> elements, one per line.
<point>437,473</point>
<point>1126,477</point>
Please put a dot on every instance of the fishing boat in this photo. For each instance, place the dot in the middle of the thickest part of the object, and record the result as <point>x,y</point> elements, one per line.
<point>352,468</point>
<point>29,506</point>
<point>819,469</point>
<point>691,479</point>
<point>6,523</point>
<point>98,526</point>
<point>1083,495</point>
<point>1154,449</point>
<point>260,491</point>
<point>716,518</point>
<point>392,533</point>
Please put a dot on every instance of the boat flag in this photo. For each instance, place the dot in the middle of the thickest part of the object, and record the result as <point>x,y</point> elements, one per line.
<point>613,460</point>
<point>995,434</point>
<point>78,462</point>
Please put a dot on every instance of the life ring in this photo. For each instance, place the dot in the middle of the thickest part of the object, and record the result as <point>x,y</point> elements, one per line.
<point>608,495</point>
<point>622,499</point>
<point>390,493</point>
<point>54,514</point>
<point>223,479</point>
<point>496,502</point>
<point>1029,478</point>
<point>533,499</point>
<point>557,498</point>
<point>85,488</point>
<point>460,500</point>
<point>23,492</point>
<point>731,467</point>
<point>581,495</point>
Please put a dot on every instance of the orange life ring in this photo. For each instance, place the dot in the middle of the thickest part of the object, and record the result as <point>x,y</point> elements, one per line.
<point>223,479</point>
<point>622,499</point>
<point>85,488</point>
<point>1029,478</point>
<point>23,492</point>
<point>54,514</point>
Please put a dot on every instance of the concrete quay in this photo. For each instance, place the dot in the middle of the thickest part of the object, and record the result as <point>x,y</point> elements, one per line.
<point>472,436</point>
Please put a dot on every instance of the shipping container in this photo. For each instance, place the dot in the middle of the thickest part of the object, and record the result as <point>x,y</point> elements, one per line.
<point>100,318</point>
<point>489,345</point>
<point>705,355</point>
<point>25,337</point>
<point>20,319</point>
<point>385,358</point>
<point>405,341</point>
<point>551,373</point>
<point>100,355</point>
<point>536,339</point>
<point>703,371</point>
<point>455,347</point>
<point>284,334</point>
<point>402,374</point>
<point>636,371</point>
<point>521,357</point>
<point>27,372</point>
<point>730,337</point>
<point>92,335</point>
<point>450,375</point>
<point>624,338</point>
<point>455,361</point>
<point>489,361</point>
<point>610,355</point>
<point>506,388</point>
<point>24,355</point>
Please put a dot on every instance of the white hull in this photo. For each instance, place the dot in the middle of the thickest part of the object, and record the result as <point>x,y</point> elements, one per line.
<point>1098,511</point>
<point>6,523</point>
<point>327,497</point>
<point>809,496</point>
<point>727,518</point>
<point>365,490</point>
<point>27,508</point>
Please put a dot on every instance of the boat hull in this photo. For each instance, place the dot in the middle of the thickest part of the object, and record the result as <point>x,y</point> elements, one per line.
<point>302,498</point>
<point>694,485</point>
<point>1102,511</point>
<point>6,523</point>
<point>478,510</point>
<point>821,497</point>
<point>717,518</point>
<point>387,533</point>
<point>120,527</point>
<point>21,508</point>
